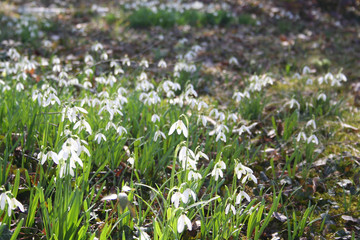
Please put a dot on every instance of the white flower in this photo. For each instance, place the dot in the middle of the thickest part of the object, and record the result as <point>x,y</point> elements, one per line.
<point>241,196</point>
<point>309,81</point>
<point>238,96</point>
<point>131,161</point>
<point>180,127</point>
<point>42,157</point>
<point>155,118</point>
<point>341,77</point>
<point>241,169</point>
<point>247,176</point>
<point>200,154</point>
<point>311,123</point>
<point>83,124</point>
<point>218,170</point>
<point>184,197</point>
<point>144,235</point>
<point>221,136</point>
<point>120,130</point>
<point>54,156</point>
<point>144,63</point>
<point>233,117</point>
<point>233,61</point>
<point>194,176</point>
<point>187,158</point>
<point>313,139</point>
<point>162,64</point>
<point>126,61</point>
<point>292,103</point>
<point>183,219</point>
<point>19,87</point>
<point>104,56</point>
<point>321,80</point>
<point>203,120</point>
<point>12,203</point>
<point>202,104</point>
<point>98,137</point>
<point>301,135</point>
<point>159,134</point>
<point>307,70</point>
<point>228,207</point>
<point>243,129</point>
<point>322,96</point>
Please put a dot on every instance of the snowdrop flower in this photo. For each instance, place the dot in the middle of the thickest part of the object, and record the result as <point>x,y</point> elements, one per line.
<point>306,70</point>
<point>194,176</point>
<point>187,158</point>
<point>6,88</point>
<point>143,235</point>
<point>203,120</point>
<point>200,154</point>
<point>144,63</point>
<point>52,99</point>
<point>98,137</point>
<point>162,64</point>
<point>19,87</point>
<point>201,105</point>
<point>220,136</point>
<point>118,70</point>
<point>321,80</point>
<point>214,112</point>
<point>329,76</point>
<point>126,61</point>
<point>192,102</point>
<point>190,91</point>
<point>12,203</point>
<point>89,60</point>
<point>233,61</point>
<point>155,118</point>
<point>249,176</point>
<point>104,56</point>
<point>300,136</point>
<point>131,161</point>
<point>230,207</point>
<point>241,196</point>
<point>109,125</point>
<point>341,77</point>
<point>42,157</point>
<point>218,170</point>
<point>88,72</point>
<point>243,129</point>
<point>241,170</point>
<point>238,96</point>
<point>309,81</point>
<point>296,76</point>
<point>81,124</point>
<point>184,197</point>
<point>159,134</point>
<point>313,139</point>
<point>180,127</point>
<point>182,221</point>
<point>120,130</point>
<point>71,113</point>
<point>54,156</point>
<point>97,47</point>
<point>233,117</point>
<point>293,103</point>
<point>311,123</point>
<point>322,96</point>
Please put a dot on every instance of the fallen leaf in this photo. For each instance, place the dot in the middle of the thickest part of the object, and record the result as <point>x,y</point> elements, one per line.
<point>280,217</point>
